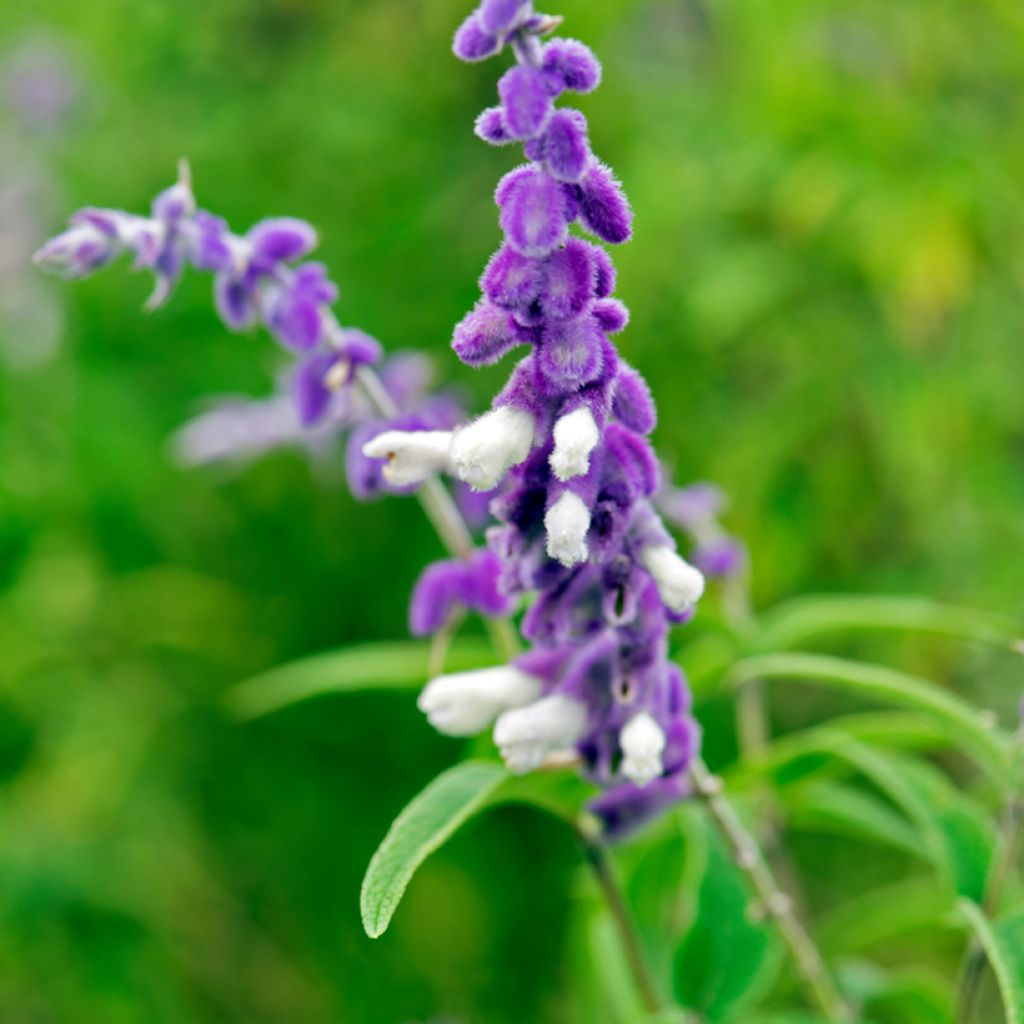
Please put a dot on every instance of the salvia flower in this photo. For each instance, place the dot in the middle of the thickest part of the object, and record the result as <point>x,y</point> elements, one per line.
<point>565,446</point>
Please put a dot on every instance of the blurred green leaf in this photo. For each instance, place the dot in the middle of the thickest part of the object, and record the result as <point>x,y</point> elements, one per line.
<point>794,622</point>
<point>423,826</point>
<point>987,745</point>
<point>725,960</point>
<point>394,665</point>
<point>906,996</point>
<point>1003,942</point>
<point>834,807</point>
<point>887,912</point>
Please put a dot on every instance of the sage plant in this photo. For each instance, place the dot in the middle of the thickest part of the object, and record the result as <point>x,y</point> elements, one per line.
<point>576,551</point>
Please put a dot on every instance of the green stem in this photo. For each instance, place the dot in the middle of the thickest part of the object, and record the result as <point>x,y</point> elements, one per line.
<point>1010,846</point>
<point>597,857</point>
<point>442,512</point>
<point>777,905</point>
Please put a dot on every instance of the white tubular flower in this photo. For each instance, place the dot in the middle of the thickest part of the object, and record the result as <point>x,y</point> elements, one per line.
<point>679,583</point>
<point>576,436</point>
<point>642,743</point>
<point>567,522</point>
<point>551,725</point>
<point>484,450</point>
<point>464,703</point>
<point>412,455</point>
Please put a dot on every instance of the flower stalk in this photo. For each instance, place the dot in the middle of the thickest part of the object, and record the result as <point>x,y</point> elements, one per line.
<point>775,903</point>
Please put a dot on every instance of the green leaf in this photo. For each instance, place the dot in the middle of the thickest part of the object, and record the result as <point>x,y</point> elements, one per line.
<point>790,624</point>
<point>423,826</point>
<point>725,961</point>
<point>842,809</point>
<point>381,666</point>
<point>987,745</point>
<point>804,753</point>
<point>1003,942</point>
<point>883,914</point>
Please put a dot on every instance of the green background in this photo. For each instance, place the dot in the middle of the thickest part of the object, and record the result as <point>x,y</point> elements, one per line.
<point>827,294</point>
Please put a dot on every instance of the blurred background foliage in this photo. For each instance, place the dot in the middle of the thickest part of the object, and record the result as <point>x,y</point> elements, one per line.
<point>826,289</point>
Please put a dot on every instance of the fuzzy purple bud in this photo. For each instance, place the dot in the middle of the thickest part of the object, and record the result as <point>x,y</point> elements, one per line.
<point>309,388</point>
<point>633,404</point>
<point>472,42</point>
<point>512,281</point>
<point>571,352</point>
<point>566,150</point>
<point>568,281</point>
<point>611,314</point>
<point>525,103</point>
<point>604,209</point>
<point>532,211</point>
<point>568,64</point>
<point>280,240</point>
<point>498,16</point>
<point>484,335</point>
<point>490,126</point>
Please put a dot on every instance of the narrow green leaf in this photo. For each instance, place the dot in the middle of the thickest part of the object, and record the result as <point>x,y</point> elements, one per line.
<point>842,809</point>
<point>424,825</point>
<point>1003,942</point>
<point>790,624</point>
<point>800,754</point>
<point>381,666</point>
<point>883,914</point>
<point>987,745</point>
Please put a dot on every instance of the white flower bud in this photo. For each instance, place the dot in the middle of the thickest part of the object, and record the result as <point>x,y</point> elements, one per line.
<point>412,455</point>
<point>576,436</point>
<point>77,251</point>
<point>551,725</point>
<point>642,743</point>
<point>567,522</point>
<point>679,583</point>
<point>466,702</point>
<point>484,450</point>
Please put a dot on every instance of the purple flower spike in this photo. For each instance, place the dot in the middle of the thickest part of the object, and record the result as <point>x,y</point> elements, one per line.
<point>484,335</point>
<point>633,404</point>
<point>472,42</point>
<point>490,126</point>
<point>569,64</point>
<point>571,353</point>
<point>280,240</point>
<point>569,281</point>
<point>532,212</point>
<point>604,209</point>
<point>525,102</point>
<point>566,150</point>
<point>498,16</point>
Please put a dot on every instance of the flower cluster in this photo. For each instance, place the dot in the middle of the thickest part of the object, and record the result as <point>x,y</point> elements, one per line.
<point>566,441</point>
<point>260,279</point>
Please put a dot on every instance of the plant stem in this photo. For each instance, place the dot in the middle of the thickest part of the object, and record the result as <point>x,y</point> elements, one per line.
<point>596,855</point>
<point>1010,845</point>
<point>442,512</point>
<point>777,905</point>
